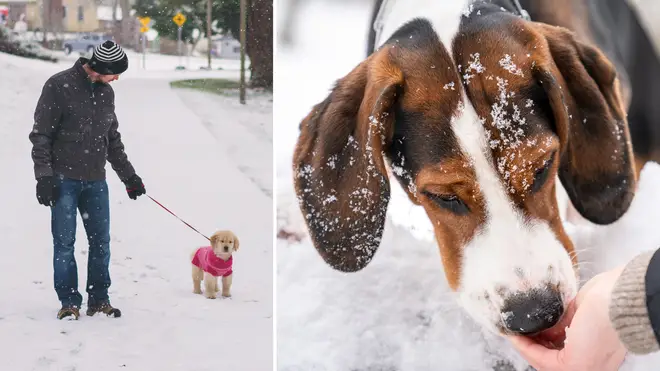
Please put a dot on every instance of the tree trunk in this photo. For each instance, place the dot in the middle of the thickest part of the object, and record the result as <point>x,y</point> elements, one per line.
<point>116,26</point>
<point>259,44</point>
<point>126,39</point>
<point>45,21</point>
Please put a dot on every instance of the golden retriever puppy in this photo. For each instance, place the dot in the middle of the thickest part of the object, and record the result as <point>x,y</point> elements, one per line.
<point>211,262</point>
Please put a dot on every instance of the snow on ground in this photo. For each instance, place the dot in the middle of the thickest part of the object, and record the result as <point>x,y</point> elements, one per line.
<point>251,139</point>
<point>184,164</point>
<point>398,313</point>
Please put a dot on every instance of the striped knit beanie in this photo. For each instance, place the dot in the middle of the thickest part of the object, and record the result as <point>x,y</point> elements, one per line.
<point>109,59</point>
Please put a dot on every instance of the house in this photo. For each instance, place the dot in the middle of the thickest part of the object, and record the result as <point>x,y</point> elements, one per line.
<point>226,47</point>
<point>68,16</point>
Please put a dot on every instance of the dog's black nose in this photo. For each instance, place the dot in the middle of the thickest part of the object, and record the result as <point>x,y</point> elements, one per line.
<point>226,248</point>
<point>532,311</point>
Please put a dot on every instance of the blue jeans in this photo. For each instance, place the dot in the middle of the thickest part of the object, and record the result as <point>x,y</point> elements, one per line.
<point>91,199</point>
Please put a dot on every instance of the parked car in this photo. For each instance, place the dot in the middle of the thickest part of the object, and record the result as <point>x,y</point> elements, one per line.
<point>84,43</point>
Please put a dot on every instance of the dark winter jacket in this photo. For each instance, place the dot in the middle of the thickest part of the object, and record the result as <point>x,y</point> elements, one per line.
<point>75,129</point>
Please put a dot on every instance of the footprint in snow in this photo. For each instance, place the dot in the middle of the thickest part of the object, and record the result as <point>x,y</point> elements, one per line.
<point>77,349</point>
<point>45,361</point>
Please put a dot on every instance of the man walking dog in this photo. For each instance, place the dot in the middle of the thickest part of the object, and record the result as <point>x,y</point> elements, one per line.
<point>74,133</point>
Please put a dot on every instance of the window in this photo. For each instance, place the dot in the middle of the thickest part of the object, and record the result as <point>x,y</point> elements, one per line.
<point>64,12</point>
<point>237,49</point>
<point>81,14</point>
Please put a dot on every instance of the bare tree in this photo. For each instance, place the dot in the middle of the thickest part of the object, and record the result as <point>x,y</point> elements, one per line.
<point>45,20</point>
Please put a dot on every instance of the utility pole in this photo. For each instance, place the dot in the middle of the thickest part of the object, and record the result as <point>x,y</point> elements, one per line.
<point>208,29</point>
<point>243,34</point>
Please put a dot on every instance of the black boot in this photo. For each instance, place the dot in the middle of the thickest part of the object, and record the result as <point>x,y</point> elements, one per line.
<point>68,311</point>
<point>104,308</point>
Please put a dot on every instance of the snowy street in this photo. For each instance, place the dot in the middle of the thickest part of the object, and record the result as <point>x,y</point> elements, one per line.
<point>397,314</point>
<point>187,163</point>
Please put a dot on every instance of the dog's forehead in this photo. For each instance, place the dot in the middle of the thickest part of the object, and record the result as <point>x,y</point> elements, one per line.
<point>482,59</point>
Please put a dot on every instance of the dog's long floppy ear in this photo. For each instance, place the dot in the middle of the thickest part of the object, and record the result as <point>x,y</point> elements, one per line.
<point>339,170</point>
<point>235,241</point>
<point>214,239</point>
<point>596,165</point>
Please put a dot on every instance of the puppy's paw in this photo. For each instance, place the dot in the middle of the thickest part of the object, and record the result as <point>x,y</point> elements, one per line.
<point>226,295</point>
<point>197,291</point>
<point>211,295</point>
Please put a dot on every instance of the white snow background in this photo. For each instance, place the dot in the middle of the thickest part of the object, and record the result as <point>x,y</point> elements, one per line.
<point>398,314</point>
<point>191,150</point>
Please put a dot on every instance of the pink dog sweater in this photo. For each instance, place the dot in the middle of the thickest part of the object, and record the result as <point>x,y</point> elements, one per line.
<point>206,260</point>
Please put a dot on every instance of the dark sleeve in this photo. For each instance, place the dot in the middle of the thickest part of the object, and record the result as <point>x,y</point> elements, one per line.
<point>47,116</point>
<point>635,304</point>
<point>116,154</point>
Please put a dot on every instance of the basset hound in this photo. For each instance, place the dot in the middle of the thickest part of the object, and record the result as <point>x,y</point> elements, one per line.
<point>477,110</point>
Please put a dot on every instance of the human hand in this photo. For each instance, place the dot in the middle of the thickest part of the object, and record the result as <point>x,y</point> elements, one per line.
<point>47,191</point>
<point>135,187</point>
<point>591,342</point>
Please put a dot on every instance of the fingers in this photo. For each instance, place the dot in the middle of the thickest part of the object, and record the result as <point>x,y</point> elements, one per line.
<point>46,201</point>
<point>540,357</point>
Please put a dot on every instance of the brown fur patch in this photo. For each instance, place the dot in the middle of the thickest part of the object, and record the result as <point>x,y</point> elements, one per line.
<point>339,172</point>
<point>452,176</point>
<point>597,161</point>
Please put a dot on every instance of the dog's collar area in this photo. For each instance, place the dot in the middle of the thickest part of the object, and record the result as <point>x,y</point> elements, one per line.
<point>523,13</point>
<point>385,7</point>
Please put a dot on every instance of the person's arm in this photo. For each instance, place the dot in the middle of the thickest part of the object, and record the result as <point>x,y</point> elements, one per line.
<point>634,308</point>
<point>47,116</point>
<point>116,153</point>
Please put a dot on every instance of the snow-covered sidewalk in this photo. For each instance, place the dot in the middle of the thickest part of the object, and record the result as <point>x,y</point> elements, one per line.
<point>164,326</point>
<point>243,133</point>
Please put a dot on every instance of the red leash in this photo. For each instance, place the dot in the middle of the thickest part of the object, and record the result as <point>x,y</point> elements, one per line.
<point>168,210</point>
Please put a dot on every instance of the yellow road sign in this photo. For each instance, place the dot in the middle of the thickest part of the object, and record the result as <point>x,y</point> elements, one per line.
<point>179,19</point>
<point>144,29</point>
<point>145,21</point>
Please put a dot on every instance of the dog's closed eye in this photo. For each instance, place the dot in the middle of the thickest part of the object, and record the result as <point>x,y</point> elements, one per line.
<point>541,175</point>
<point>449,202</point>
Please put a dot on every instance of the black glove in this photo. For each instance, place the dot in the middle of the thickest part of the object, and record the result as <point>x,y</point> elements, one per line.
<point>134,187</point>
<point>47,190</point>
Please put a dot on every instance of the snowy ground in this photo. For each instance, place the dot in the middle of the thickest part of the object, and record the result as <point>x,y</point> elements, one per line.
<point>182,156</point>
<point>397,314</point>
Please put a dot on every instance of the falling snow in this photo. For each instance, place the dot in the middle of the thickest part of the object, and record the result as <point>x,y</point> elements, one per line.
<point>449,86</point>
<point>473,65</point>
<point>403,326</point>
<point>149,248</point>
<point>507,64</point>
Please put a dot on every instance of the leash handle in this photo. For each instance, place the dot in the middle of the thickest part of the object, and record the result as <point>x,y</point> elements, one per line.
<point>183,221</point>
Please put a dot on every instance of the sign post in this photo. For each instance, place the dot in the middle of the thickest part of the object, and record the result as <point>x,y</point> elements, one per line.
<point>145,21</point>
<point>179,19</point>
